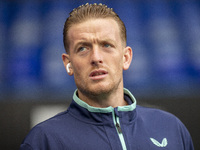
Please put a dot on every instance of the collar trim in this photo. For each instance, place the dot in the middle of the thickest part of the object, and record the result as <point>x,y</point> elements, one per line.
<point>107,109</point>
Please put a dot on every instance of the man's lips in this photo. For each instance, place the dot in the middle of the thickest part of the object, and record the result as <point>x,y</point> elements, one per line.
<point>98,74</point>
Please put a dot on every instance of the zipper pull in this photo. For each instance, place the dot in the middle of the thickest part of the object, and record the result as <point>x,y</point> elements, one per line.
<point>118,128</point>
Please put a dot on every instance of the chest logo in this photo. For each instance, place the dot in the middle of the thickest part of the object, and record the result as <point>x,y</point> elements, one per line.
<point>162,144</point>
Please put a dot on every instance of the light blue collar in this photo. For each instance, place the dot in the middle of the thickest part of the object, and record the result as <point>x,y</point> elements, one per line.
<point>107,109</point>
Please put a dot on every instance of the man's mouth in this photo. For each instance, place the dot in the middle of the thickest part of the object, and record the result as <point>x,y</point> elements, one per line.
<point>98,74</point>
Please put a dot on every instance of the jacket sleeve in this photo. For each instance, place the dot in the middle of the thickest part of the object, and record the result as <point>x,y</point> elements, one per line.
<point>25,147</point>
<point>40,138</point>
<point>186,138</point>
<point>35,140</point>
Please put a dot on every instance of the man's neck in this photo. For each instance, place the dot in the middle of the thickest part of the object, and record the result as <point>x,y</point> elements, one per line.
<point>113,99</point>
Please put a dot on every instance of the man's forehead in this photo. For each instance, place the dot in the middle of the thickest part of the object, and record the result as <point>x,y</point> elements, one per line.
<point>106,26</point>
<point>95,22</point>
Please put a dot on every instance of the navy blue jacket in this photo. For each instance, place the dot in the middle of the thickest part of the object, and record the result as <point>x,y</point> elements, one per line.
<point>83,127</point>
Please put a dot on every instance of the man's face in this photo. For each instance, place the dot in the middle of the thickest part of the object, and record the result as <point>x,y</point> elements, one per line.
<point>97,56</point>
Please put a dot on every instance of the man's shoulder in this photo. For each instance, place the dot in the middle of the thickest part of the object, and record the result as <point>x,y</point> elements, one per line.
<point>51,123</point>
<point>160,123</point>
<point>58,118</point>
<point>156,114</point>
<point>159,119</point>
<point>49,126</point>
<point>151,109</point>
<point>46,132</point>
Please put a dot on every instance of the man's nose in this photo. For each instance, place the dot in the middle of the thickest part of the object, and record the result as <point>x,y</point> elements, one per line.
<point>96,56</point>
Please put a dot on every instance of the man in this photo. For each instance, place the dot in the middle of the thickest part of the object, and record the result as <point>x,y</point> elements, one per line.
<point>103,114</point>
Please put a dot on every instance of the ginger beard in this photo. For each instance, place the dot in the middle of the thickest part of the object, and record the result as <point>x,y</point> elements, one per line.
<point>102,88</point>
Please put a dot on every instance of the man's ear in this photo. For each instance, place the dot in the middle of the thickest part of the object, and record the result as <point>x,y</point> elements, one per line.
<point>67,64</point>
<point>127,57</point>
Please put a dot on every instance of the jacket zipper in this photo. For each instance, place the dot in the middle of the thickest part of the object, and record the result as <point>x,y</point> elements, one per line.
<point>119,130</point>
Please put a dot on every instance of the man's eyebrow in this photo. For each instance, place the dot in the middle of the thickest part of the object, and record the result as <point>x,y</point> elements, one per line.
<point>105,40</point>
<point>89,43</point>
<point>82,43</point>
<point>109,41</point>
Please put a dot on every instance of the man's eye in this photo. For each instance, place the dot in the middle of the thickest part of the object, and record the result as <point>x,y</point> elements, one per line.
<point>107,45</point>
<point>81,49</point>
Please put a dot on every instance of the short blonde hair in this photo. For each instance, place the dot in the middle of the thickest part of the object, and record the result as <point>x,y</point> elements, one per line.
<point>91,11</point>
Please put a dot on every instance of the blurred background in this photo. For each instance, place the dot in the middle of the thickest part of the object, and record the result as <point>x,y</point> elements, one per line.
<point>165,71</point>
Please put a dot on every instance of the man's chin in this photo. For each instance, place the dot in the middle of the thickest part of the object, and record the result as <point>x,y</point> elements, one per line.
<point>97,91</point>
<point>100,91</point>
